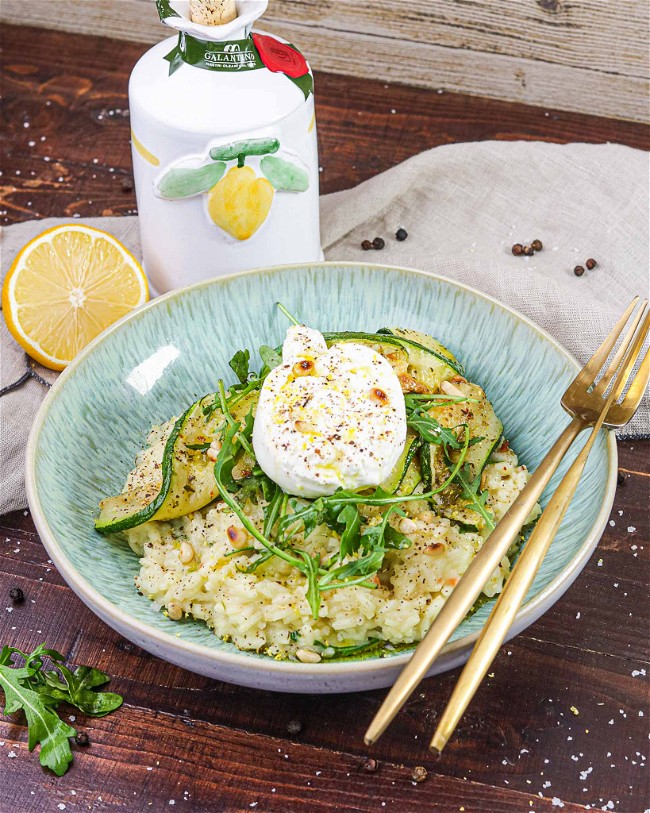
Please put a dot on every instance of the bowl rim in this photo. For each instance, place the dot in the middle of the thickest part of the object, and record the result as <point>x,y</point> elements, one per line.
<point>198,653</point>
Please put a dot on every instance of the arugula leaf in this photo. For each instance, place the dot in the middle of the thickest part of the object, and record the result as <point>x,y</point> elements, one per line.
<point>263,557</point>
<point>350,519</point>
<point>226,464</point>
<point>428,401</point>
<point>312,564</point>
<point>239,365</point>
<point>273,510</point>
<point>38,692</point>
<point>395,540</point>
<point>372,536</point>
<point>44,725</point>
<point>431,430</point>
<point>345,574</point>
<point>76,689</point>
<point>346,651</point>
<point>477,499</point>
<point>270,357</point>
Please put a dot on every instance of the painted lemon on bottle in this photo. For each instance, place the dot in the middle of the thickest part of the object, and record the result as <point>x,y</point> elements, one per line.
<point>238,201</point>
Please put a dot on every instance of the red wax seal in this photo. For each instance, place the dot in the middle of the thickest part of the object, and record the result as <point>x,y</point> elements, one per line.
<point>280,57</point>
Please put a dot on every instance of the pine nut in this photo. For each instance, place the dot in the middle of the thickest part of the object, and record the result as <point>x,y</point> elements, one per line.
<point>434,549</point>
<point>306,427</point>
<point>308,656</point>
<point>379,396</point>
<point>407,526</point>
<point>174,610</point>
<point>410,384</point>
<point>448,388</point>
<point>213,450</point>
<point>237,536</point>
<point>304,367</point>
<point>186,553</point>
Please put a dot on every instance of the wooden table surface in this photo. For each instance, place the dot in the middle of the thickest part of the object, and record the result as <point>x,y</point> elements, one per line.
<point>563,721</point>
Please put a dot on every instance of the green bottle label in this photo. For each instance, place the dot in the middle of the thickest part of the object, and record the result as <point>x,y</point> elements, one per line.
<point>237,55</point>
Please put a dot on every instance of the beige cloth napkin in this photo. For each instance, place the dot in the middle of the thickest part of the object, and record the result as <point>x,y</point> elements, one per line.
<point>463,206</point>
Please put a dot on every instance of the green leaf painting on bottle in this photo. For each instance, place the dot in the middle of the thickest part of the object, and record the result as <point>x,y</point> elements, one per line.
<point>238,199</point>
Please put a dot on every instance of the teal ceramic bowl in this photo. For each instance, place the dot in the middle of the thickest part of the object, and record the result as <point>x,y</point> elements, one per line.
<point>158,359</point>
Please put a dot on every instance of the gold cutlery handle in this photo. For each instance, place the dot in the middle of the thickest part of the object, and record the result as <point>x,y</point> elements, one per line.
<point>511,598</point>
<point>474,579</point>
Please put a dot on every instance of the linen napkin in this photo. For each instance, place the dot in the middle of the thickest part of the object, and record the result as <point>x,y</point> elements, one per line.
<point>463,207</point>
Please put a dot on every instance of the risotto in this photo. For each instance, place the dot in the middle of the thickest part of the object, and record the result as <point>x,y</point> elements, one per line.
<point>310,578</point>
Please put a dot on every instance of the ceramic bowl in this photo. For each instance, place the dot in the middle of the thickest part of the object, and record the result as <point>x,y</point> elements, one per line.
<point>158,359</point>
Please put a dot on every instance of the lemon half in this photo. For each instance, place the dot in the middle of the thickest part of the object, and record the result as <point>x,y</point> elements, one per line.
<point>67,285</point>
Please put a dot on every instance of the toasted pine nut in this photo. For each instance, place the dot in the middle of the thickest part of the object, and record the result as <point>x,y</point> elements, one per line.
<point>450,389</point>
<point>306,427</point>
<point>308,656</point>
<point>434,549</point>
<point>174,610</point>
<point>410,384</point>
<point>379,396</point>
<point>186,553</point>
<point>303,367</point>
<point>237,536</point>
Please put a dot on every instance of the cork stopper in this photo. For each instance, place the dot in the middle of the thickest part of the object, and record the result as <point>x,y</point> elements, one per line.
<point>212,12</point>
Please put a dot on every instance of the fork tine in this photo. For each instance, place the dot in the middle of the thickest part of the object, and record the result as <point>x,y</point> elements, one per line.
<point>587,375</point>
<point>635,393</point>
<point>638,346</point>
<point>613,368</point>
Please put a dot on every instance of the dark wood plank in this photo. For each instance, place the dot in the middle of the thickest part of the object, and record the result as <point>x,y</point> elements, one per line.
<point>164,762</point>
<point>220,742</point>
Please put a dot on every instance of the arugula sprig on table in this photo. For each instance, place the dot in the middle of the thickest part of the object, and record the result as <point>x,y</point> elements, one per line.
<point>38,692</point>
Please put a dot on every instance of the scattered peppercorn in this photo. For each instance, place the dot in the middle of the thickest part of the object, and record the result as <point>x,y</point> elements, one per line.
<point>16,595</point>
<point>419,774</point>
<point>294,726</point>
<point>81,738</point>
<point>591,263</point>
<point>366,245</point>
<point>529,251</point>
<point>578,270</point>
<point>620,479</point>
<point>536,245</point>
<point>517,249</point>
<point>378,243</point>
<point>401,234</point>
<point>370,765</point>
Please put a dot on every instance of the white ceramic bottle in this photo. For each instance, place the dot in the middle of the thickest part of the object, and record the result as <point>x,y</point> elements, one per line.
<point>224,149</point>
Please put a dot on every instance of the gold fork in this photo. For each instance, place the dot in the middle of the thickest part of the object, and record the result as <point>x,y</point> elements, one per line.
<point>530,560</point>
<point>584,401</point>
